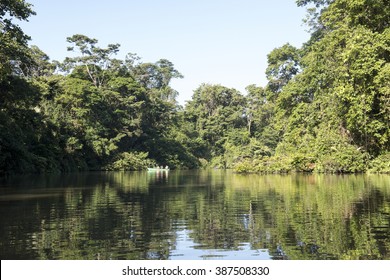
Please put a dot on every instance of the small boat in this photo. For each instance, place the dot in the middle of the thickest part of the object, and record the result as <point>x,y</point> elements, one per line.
<point>153,169</point>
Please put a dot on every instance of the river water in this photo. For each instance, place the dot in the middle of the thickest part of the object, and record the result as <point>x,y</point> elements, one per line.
<point>202,214</point>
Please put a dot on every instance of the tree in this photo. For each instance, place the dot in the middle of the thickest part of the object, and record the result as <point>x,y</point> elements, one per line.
<point>336,97</point>
<point>156,77</point>
<point>95,60</point>
<point>255,101</point>
<point>283,65</point>
<point>215,111</point>
<point>13,41</point>
<point>372,14</point>
<point>331,97</point>
<point>39,64</point>
<point>23,134</point>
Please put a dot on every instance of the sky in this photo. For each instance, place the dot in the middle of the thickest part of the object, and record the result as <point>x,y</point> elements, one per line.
<point>209,41</point>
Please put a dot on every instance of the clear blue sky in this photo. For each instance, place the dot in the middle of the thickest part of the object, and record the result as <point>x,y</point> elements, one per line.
<point>209,41</point>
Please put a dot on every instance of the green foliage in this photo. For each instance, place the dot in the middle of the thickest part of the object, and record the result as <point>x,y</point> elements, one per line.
<point>332,115</point>
<point>98,113</point>
<point>380,164</point>
<point>13,41</point>
<point>267,165</point>
<point>245,166</point>
<point>371,14</point>
<point>130,161</point>
<point>326,106</point>
<point>346,160</point>
<point>283,65</point>
<point>214,111</point>
<point>94,60</point>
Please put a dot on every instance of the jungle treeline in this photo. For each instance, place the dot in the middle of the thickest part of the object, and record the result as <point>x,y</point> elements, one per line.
<point>325,108</point>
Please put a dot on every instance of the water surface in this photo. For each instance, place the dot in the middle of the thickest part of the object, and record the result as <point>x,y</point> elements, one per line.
<point>195,215</point>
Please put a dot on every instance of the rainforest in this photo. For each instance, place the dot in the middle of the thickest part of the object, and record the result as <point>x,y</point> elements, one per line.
<point>325,108</point>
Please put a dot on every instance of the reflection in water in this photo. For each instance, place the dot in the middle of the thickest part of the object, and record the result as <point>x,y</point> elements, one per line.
<point>186,248</point>
<point>195,215</point>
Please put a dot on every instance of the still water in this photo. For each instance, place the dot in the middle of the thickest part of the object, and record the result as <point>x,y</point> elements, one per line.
<point>195,215</point>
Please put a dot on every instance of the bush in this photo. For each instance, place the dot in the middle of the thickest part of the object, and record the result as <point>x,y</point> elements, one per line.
<point>302,162</point>
<point>244,167</point>
<point>275,164</point>
<point>218,162</point>
<point>347,159</point>
<point>381,164</point>
<point>131,161</point>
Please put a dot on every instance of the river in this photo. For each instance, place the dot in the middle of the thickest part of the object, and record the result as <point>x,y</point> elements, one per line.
<point>202,214</point>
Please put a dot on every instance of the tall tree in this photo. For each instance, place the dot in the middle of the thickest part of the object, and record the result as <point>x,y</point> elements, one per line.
<point>283,65</point>
<point>13,41</point>
<point>336,103</point>
<point>94,60</point>
<point>215,111</point>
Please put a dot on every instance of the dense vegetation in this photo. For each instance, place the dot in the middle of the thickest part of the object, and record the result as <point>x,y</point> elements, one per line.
<point>326,106</point>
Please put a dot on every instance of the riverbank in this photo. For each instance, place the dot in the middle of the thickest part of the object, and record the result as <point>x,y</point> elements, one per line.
<point>380,164</point>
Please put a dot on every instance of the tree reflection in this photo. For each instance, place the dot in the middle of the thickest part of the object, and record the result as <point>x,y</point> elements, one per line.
<point>136,215</point>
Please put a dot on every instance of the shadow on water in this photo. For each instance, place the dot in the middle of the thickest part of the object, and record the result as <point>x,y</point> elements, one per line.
<point>194,215</point>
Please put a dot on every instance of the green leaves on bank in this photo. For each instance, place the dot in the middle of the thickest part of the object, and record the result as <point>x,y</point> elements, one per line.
<point>326,106</point>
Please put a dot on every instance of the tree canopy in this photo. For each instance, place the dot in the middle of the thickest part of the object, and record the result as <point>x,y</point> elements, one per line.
<point>325,108</point>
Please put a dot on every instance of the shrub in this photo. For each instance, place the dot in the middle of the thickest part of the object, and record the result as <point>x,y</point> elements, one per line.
<point>380,164</point>
<point>131,161</point>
